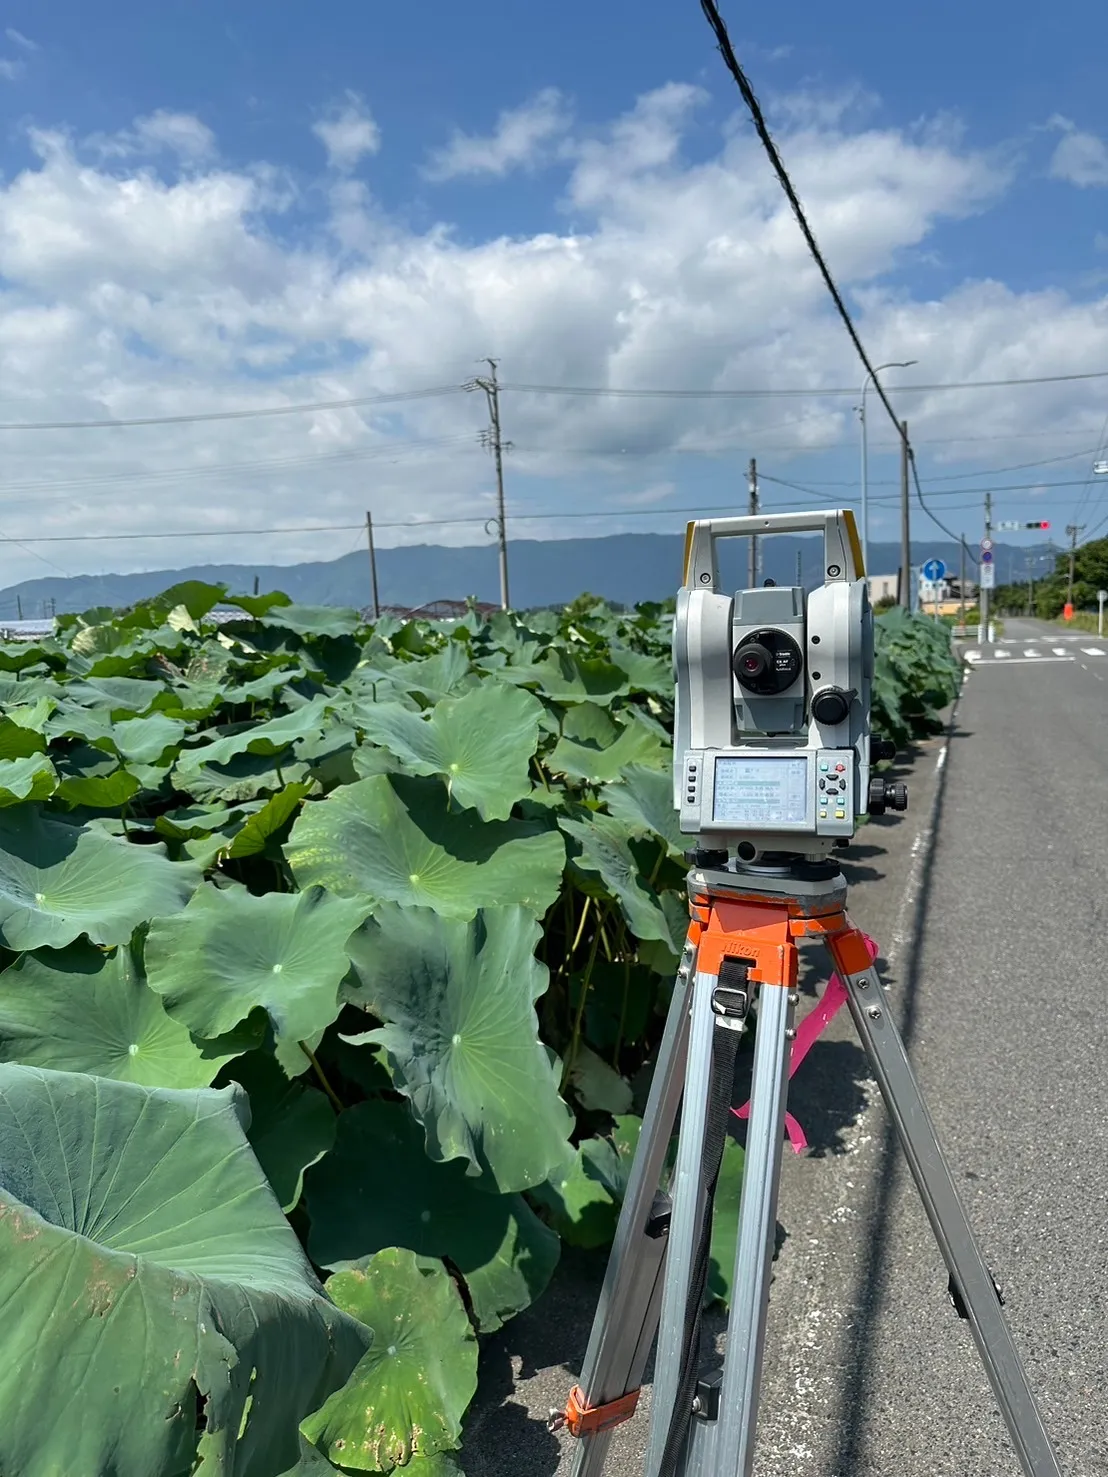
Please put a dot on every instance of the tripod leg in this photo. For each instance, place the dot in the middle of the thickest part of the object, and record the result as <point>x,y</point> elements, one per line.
<point>968,1270</point>
<point>627,1313</point>
<point>726,1445</point>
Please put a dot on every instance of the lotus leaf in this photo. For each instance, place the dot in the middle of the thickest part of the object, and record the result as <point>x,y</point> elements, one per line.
<point>643,801</point>
<point>504,1252</point>
<point>634,743</point>
<point>58,881</point>
<point>408,1394</point>
<point>79,1009</point>
<point>606,850</point>
<point>462,1038</point>
<point>230,952</point>
<point>481,744</point>
<point>268,822</point>
<point>395,840</point>
<point>32,778</point>
<point>153,1293</point>
<point>292,1125</point>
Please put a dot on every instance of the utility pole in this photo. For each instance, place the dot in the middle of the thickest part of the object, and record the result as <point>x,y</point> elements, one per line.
<point>905,591</point>
<point>372,564</point>
<point>752,483</point>
<point>962,577</point>
<point>1073,529</point>
<point>982,592</point>
<point>492,439</point>
<point>799,570</point>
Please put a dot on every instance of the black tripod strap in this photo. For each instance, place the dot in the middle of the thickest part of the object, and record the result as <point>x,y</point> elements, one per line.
<point>725,1046</point>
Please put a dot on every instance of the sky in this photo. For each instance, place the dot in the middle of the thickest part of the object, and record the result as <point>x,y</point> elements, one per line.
<point>208,212</point>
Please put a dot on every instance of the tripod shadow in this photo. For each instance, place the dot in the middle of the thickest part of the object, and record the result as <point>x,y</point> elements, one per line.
<point>858,1371</point>
<point>546,1343</point>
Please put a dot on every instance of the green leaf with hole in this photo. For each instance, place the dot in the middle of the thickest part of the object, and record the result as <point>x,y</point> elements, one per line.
<point>480,744</point>
<point>504,1252</point>
<point>292,1125</point>
<point>58,881</point>
<point>461,1034</point>
<point>643,801</point>
<point>32,778</point>
<point>230,952</point>
<point>79,1009</point>
<point>407,1396</point>
<point>392,839</point>
<point>159,1314</point>
<point>268,822</point>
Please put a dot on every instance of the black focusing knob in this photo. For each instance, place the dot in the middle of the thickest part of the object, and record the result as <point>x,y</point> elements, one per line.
<point>830,705</point>
<point>881,748</point>
<point>897,795</point>
<point>884,795</point>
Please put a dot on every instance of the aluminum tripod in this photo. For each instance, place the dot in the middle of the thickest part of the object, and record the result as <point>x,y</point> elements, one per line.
<point>741,944</point>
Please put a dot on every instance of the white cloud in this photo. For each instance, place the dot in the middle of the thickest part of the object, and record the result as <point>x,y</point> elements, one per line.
<point>1079,158</point>
<point>10,71</point>
<point>348,133</point>
<point>181,134</point>
<point>522,139</point>
<point>128,294</point>
<point>18,39</point>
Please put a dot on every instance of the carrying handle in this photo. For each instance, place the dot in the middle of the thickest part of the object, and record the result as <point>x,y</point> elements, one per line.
<point>842,551</point>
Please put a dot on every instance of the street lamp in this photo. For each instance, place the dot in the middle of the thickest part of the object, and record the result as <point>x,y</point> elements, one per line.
<point>895,364</point>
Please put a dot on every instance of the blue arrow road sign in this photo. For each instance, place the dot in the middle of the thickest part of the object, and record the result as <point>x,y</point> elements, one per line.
<point>933,570</point>
<point>986,556</point>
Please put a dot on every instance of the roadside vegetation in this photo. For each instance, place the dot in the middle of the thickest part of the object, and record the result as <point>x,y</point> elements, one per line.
<point>335,957</point>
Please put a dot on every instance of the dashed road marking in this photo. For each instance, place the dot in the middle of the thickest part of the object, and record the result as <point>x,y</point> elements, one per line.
<point>1091,651</point>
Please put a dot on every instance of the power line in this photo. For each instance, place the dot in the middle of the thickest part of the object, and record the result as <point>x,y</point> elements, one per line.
<point>235,415</point>
<point>809,391</point>
<point>934,518</point>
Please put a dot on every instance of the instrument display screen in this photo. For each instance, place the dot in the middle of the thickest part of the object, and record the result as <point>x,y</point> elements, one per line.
<point>751,793</point>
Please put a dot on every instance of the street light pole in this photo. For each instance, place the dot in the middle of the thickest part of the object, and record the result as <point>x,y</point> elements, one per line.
<point>895,364</point>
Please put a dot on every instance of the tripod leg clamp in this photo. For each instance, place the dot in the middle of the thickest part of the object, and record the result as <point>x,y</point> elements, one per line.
<point>582,1419</point>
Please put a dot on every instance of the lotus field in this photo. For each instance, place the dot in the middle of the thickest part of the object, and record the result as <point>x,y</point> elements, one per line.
<point>334,960</point>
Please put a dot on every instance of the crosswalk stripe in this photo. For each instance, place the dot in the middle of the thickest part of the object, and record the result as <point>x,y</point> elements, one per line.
<point>1001,654</point>
<point>1058,650</point>
<point>1031,651</point>
<point>1092,651</point>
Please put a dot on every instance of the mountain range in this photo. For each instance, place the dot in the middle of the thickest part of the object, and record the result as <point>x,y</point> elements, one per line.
<point>624,568</point>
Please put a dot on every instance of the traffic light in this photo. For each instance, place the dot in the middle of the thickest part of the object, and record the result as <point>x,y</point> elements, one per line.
<point>1036,525</point>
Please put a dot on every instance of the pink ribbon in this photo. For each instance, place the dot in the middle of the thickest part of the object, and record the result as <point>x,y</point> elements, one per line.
<point>809,1031</point>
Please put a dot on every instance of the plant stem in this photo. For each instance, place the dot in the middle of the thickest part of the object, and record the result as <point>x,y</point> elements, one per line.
<point>579,1013</point>
<point>540,771</point>
<point>622,1013</point>
<point>336,1101</point>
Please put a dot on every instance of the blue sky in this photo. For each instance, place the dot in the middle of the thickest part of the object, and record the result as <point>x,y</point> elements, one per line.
<point>297,203</point>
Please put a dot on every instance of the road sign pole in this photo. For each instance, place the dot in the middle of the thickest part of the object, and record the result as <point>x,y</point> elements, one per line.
<point>1101,596</point>
<point>983,592</point>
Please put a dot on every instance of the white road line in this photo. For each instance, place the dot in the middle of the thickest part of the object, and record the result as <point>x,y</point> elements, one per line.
<point>973,656</point>
<point>1031,651</point>
<point>1024,661</point>
<point>1058,650</point>
<point>1091,651</point>
<point>1000,654</point>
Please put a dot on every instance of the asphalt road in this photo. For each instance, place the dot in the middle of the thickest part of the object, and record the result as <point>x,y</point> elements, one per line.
<point>989,900</point>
